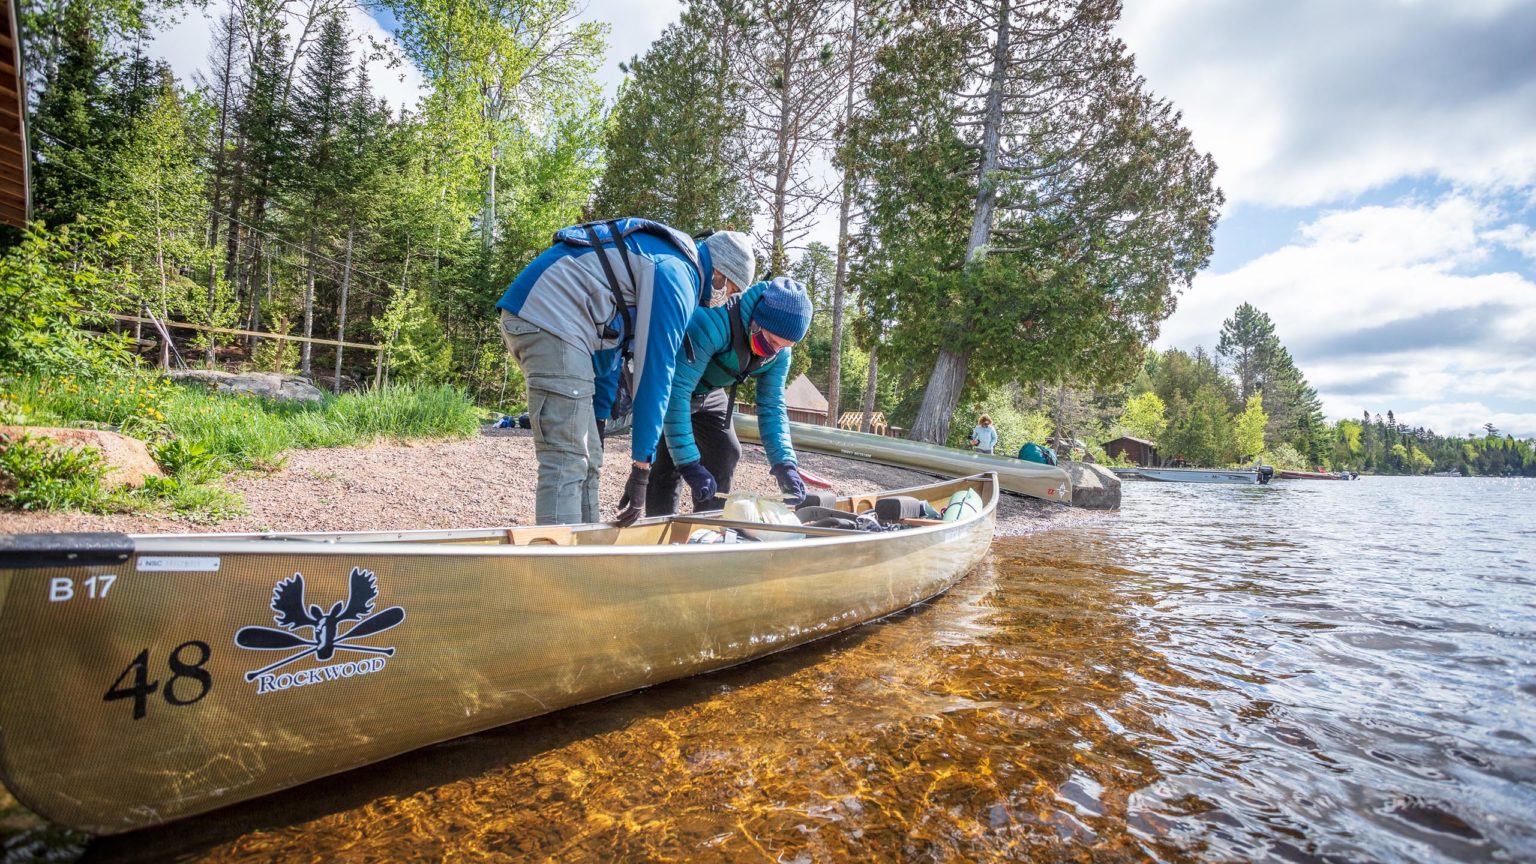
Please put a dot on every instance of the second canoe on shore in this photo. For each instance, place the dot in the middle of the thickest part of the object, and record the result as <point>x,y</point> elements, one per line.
<point>1046,482</point>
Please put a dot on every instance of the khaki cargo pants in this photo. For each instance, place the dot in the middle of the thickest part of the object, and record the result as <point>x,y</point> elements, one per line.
<point>560,386</point>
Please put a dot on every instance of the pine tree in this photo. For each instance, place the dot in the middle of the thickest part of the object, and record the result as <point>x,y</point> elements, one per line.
<point>675,148</point>
<point>1248,344</point>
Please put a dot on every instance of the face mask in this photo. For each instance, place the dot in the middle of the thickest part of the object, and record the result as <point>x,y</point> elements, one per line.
<point>761,346</point>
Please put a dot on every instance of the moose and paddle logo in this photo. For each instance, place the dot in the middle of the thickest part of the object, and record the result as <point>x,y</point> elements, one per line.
<point>325,636</point>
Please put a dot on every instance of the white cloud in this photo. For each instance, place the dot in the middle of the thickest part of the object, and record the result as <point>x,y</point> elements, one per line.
<point>1517,238</point>
<point>1381,309</point>
<point>1305,102</point>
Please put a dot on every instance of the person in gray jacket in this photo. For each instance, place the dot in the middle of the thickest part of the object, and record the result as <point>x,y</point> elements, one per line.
<point>604,293</point>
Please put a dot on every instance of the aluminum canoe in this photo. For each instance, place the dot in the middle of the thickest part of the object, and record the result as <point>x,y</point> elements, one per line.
<point>147,678</point>
<point>1046,482</point>
<point>1191,475</point>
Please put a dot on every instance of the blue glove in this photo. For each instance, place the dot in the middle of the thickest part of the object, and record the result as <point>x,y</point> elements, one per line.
<point>701,482</point>
<point>789,481</point>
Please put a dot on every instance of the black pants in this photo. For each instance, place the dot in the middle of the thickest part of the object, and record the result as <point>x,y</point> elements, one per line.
<point>719,451</point>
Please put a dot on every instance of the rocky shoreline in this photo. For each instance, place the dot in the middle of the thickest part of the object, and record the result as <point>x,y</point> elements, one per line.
<point>482,481</point>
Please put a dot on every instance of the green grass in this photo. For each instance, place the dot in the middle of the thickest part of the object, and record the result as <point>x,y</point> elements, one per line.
<point>197,435</point>
<point>246,432</point>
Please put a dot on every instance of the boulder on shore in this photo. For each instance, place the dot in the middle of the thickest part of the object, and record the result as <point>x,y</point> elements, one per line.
<point>127,459</point>
<point>1093,488</point>
<point>269,385</point>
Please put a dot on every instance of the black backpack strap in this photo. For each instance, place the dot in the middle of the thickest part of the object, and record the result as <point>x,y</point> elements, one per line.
<point>613,280</point>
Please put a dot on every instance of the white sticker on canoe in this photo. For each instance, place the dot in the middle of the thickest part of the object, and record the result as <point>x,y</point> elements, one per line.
<point>177,564</point>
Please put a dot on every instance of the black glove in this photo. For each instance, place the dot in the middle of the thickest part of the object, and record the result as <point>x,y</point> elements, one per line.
<point>790,482</point>
<point>602,429</point>
<point>701,482</point>
<point>632,504</point>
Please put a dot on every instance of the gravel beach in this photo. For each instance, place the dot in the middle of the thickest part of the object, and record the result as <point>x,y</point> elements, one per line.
<point>483,481</point>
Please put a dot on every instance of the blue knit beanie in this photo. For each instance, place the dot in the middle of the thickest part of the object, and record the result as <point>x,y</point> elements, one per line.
<point>784,309</point>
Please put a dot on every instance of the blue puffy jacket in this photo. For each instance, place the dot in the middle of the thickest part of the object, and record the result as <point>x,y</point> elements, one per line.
<point>715,365</point>
<point>566,293</point>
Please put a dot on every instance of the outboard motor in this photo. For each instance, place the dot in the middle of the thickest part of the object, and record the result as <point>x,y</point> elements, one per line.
<point>1266,474</point>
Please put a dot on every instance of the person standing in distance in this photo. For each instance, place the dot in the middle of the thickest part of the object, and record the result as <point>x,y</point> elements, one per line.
<point>606,292</point>
<point>749,337</point>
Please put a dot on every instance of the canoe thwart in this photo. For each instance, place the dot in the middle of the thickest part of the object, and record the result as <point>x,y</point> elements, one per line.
<point>765,526</point>
<point>20,551</point>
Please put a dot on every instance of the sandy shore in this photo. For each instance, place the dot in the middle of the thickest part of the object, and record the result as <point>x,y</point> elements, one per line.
<point>483,481</point>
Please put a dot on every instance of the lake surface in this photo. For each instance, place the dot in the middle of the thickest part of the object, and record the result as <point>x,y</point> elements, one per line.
<point>1308,671</point>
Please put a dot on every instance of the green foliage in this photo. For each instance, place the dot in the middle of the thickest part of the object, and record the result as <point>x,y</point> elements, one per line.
<point>1285,458</point>
<point>188,461</point>
<point>416,348</point>
<point>1031,271</point>
<point>1248,428</point>
<point>1145,417</point>
<point>53,285</point>
<point>1015,425</point>
<point>40,475</point>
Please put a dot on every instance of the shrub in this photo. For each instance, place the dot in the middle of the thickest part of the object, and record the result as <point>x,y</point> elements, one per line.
<point>41,475</point>
<point>52,283</point>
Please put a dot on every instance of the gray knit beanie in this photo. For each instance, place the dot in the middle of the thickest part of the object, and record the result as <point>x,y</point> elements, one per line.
<point>731,253</point>
<point>784,309</point>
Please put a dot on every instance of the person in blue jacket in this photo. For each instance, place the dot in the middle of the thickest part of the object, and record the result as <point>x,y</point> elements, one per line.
<point>749,337</point>
<point>581,309</point>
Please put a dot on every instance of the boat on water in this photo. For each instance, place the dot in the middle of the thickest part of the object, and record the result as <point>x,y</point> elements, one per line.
<point>145,678</point>
<point>1198,475</point>
<point>1046,482</point>
<point>1317,475</point>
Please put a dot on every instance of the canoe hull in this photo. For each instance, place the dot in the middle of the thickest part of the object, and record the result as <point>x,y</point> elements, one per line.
<point>1046,482</point>
<point>1193,475</point>
<point>134,704</point>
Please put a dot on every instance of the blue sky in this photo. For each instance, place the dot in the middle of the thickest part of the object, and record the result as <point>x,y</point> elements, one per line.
<point>1379,163</point>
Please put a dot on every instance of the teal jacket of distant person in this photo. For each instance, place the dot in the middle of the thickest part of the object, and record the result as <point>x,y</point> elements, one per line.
<point>714,364</point>
<point>565,292</point>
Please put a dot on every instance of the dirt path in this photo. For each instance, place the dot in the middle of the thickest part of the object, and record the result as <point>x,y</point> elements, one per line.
<point>477,482</point>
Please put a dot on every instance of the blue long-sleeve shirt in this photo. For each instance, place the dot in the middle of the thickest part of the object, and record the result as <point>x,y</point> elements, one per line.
<point>565,292</point>
<point>714,365</point>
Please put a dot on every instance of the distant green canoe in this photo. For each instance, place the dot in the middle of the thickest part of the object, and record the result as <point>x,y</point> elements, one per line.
<point>1046,482</point>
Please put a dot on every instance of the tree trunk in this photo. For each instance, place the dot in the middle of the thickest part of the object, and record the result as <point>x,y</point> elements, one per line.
<point>309,315</point>
<point>779,256</point>
<point>869,388</point>
<point>488,215</point>
<point>948,376</point>
<point>939,399</point>
<point>341,307</point>
<point>1061,414</point>
<point>840,281</point>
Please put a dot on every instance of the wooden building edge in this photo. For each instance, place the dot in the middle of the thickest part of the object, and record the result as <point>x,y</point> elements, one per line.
<point>15,158</point>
